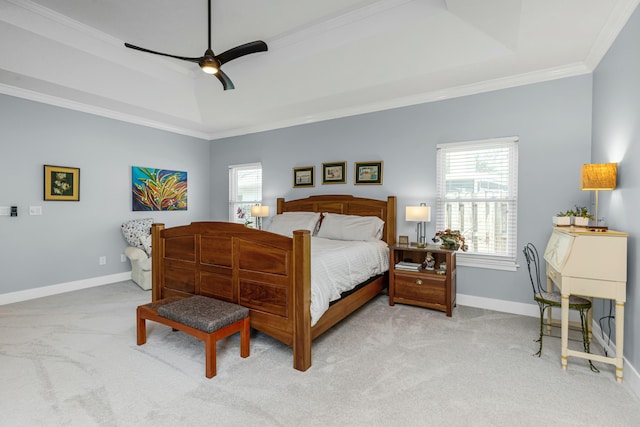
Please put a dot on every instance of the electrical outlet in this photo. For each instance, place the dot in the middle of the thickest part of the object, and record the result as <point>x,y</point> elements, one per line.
<point>102,260</point>
<point>123,258</point>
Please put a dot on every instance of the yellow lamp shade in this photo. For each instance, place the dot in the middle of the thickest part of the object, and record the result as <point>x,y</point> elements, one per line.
<point>600,176</point>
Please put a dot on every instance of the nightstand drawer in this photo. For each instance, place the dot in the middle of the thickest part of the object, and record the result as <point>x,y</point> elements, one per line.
<point>428,288</point>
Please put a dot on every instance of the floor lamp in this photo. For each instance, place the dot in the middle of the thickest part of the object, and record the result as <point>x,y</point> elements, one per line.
<point>420,214</point>
<point>259,212</point>
<point>599,176</point>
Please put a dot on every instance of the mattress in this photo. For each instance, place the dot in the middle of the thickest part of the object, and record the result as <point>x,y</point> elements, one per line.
<point>338,266</point>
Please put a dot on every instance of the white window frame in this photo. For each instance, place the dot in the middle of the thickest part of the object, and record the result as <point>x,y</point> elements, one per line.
<point>236,199</point>
<point>485,252</point>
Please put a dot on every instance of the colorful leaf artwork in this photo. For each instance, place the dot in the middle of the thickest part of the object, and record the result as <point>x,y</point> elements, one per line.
<point>158,189</point>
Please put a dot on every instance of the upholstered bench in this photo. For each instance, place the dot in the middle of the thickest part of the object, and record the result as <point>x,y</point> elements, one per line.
<point>202,317</point>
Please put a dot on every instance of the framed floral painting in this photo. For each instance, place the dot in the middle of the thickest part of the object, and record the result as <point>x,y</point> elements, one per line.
<point>61,183</point>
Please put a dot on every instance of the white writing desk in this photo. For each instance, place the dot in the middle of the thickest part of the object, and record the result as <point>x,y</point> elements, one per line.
<point>592,264</point>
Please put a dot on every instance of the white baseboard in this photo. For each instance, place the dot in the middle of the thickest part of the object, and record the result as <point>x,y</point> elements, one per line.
<point>631,376</point>
<point>61,288</point>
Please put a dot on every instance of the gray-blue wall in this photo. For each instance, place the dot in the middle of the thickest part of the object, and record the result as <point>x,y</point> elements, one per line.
<point>552,120</point>
<point>64,243</point>
<point>616,138</point>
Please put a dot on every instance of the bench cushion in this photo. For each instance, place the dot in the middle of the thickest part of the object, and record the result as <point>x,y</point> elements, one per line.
<point>203,313</point>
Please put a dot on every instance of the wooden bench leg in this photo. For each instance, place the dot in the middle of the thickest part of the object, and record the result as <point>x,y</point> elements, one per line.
<point>210,355</point>
<point>245,334</point>
<point>142,328</point>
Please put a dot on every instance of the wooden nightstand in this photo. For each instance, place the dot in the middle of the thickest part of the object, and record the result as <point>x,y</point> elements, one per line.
<point>434,289</point>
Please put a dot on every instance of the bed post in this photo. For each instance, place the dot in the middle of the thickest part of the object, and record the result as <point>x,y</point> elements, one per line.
<point>302,300</point>
<point>390,238</point>
<point>157,256</point>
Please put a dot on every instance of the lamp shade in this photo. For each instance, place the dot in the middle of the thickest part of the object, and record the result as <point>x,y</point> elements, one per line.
<point>600,176</point>
<point>418,213</point>
<point>259,211</point>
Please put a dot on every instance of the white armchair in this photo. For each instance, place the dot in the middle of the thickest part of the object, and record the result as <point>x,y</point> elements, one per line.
<point>137,233</point>
<point>140,266</point>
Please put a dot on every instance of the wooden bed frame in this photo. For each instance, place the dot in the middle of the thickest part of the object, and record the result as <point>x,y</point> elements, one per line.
<point>266,272</point>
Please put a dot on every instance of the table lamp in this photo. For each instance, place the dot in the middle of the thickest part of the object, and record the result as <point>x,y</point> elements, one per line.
<point>259,212</point>
<point>600,176</point>
<point>420,214</point>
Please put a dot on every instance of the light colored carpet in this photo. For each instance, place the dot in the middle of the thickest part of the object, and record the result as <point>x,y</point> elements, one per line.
<point>72,360</point>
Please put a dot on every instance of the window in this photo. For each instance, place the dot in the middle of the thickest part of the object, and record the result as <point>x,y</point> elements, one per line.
<point>245,190</point>
<point>477,193</point>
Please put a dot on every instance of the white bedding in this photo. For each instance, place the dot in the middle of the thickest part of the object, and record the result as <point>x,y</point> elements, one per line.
<point>339,265</point>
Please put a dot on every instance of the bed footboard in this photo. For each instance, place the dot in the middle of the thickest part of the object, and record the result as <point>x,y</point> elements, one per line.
<point>265,272</point>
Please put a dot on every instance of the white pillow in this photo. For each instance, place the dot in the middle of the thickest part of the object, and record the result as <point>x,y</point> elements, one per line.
<point>287,222</point>
<point>146,243</point>
<point>351,227</point>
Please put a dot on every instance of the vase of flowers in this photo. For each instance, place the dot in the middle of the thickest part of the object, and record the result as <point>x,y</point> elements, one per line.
<point>243,216</point>
<point>451,239</point>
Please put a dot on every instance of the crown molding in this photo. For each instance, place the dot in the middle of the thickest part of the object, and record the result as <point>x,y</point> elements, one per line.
<point>440,95</point>
<point>450,93</point>
<point>98,111</point>
<point>47,23</point>
<point>617,20</point>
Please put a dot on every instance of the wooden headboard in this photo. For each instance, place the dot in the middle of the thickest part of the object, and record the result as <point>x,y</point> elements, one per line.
<point>348,205</point>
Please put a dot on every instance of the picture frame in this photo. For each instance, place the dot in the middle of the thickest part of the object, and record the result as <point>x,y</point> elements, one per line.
<point>334,173</point>
<point>304,177</point>
<point>368,173</point>
<point>61,183</point>
<point>154,189</point>
<point>403,240</point>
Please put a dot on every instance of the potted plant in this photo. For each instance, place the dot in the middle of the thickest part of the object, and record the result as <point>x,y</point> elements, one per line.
<point>451,239</point>
<point>582,216</point>
<point>241,214</point>
<point>563,218</point>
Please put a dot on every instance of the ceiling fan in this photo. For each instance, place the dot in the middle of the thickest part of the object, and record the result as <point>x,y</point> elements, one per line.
<point>211,63</point>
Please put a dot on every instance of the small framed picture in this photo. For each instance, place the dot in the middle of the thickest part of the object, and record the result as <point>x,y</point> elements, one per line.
<point>61,183</point>
<point>368,173</point>
<point>403,240</point>
<point>334,173</point>
<point>303,177</point>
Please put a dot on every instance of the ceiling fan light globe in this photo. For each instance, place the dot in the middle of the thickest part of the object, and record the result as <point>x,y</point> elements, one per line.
<point>209,68</point>
<point>208,63</point>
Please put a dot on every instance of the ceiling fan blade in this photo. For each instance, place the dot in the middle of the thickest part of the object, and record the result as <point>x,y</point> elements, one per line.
<point>225,80</point>
<point>163,54</point>
<point>242,50</point>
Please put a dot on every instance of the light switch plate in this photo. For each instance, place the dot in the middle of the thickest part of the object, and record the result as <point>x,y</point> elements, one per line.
<point>35,210</point>
<point>5,211</point>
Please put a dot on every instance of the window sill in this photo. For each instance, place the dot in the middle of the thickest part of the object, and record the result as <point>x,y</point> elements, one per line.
<point>484,261</point>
